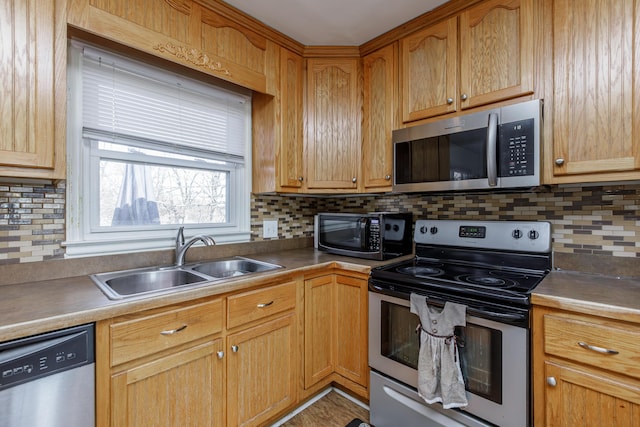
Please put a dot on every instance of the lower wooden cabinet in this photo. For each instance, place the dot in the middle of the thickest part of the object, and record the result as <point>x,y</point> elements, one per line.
<point>261,366</point>
<point>181,389</point>
<point>586,370</point>
<point>335,337</point>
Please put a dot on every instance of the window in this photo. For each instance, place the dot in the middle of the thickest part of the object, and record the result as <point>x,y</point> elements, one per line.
<point>150,151</point>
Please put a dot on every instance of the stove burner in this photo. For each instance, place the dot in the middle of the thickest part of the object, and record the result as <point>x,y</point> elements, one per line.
<point>419,270</point>
<point>488,281</point>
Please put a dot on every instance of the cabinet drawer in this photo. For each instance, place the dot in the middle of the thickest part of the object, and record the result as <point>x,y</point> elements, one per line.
<point>254,305</point>
<point>146,335</point>
<point>569,337</point>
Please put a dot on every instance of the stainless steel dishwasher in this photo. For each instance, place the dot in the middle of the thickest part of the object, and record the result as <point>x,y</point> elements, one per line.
<point>48,380</point>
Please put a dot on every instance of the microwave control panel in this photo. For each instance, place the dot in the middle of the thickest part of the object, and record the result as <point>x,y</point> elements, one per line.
<point>517,149</point>
<point>374,234</point>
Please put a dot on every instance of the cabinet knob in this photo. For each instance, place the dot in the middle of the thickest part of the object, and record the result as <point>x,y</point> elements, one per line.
<point>449,101</point>
<point>234,348</point>
<point>387,177</point>
<point>560,161</point>
<point>300,179</point>
<point>220,354</point>
<point>354,179</point>
<point>552,381</point>
<point>464,97</point>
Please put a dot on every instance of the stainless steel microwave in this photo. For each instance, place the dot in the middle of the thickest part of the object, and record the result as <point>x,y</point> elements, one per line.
<point>379,235</point>
<point>492,149</point>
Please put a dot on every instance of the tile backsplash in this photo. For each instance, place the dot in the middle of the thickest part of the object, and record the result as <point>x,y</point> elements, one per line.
<point>589,220</point>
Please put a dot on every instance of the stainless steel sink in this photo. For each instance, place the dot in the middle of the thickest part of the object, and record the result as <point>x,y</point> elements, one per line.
<point>129,283</point>
<point>233,267</point>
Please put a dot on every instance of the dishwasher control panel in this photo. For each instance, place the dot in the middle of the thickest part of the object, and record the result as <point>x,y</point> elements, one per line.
<point>38,356</point>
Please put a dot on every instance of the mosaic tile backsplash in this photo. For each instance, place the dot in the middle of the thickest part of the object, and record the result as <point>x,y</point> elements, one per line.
<point>592,220</point>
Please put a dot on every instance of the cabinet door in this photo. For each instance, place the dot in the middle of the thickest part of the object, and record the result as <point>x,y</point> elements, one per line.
<point>318,329</point>
<point>261,369</point>
<point>350,305</point>
<point>496,51</point>
<point>380,70</point>
<point>32,87</point>
<point>289,154</point>
<point>586,398</point>
<point>596,84</point>
<point>182,389</point>
<point>333,124</point>
<point>429,71</point>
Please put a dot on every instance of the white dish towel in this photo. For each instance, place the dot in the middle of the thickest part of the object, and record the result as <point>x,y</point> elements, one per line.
<point>439,374</point>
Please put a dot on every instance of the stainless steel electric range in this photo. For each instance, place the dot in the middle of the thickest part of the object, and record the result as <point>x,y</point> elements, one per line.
<point>489,266</point>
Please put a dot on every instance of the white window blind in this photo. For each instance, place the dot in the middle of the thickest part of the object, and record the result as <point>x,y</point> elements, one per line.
<point>122,99</point>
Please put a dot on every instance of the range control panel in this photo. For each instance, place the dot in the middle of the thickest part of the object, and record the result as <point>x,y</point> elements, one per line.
<point>35,357</point>
<point>526,236</point>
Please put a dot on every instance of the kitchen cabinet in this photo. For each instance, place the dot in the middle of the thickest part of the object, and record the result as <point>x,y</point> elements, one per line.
<point>593,128</point>
<point>492,61</point>
<point>33,87</point>
<point>586,369</point>
<point>336,337</point>
<point>206,36</point>
<point>172,357</point>
<point>262,358</point>
<point>332,135</point>
<point>380,110</point>
<point>278,131</point>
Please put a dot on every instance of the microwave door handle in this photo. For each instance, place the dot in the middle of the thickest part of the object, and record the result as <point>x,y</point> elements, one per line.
<point>364,226</point>
<point>492,158</point>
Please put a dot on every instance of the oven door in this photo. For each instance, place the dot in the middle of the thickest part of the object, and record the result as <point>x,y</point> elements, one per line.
<point>494,359</point>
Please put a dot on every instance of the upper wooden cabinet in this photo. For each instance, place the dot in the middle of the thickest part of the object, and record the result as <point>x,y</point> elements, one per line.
<point>380,107</point>
<point>278,131</point>
<point>333,123</point>
<point>32,83</point>
<point>185,32</point>
<point>593,132</point>
<point>492,61</point>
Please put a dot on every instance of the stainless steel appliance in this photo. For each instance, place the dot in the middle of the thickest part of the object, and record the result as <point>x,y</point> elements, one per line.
<point>489,266</point>
<point>49,380</point>
<point>498,148</point>
<point>378,235</point>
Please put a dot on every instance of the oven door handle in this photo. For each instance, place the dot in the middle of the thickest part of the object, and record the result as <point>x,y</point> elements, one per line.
<point>489,313</point>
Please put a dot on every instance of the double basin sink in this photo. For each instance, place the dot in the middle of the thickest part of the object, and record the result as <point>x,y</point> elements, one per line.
<point>143,281</point>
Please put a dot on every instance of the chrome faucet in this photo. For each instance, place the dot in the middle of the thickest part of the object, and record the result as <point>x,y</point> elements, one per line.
<point>181,246</point>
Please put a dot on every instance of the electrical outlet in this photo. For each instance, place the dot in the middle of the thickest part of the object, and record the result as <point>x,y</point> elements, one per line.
<point>269,228</point>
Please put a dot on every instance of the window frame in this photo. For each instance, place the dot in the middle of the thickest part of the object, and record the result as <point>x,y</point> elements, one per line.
<point>85,239</point>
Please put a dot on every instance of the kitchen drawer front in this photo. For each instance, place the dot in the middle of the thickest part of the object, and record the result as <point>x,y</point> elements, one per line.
<point>146,335</point>
<point>587,341</point>
<point>253,305</point>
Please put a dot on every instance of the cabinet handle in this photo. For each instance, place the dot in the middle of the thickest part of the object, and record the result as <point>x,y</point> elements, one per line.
<point>601,350</point>
<point>551,381</point>
<point>174,331</point>
<point>265,304</point>
<point>464,97</point>
<point>560,161</point>
<point>300,179</point>
<point>387,177</point>
<point>449,101</point>
<point>354,179</point>
<point>220,354</point>
<point>234,348</point>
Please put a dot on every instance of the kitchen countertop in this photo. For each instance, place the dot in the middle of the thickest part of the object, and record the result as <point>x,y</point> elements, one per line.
<point>606,296</point>
<point>35,307</point>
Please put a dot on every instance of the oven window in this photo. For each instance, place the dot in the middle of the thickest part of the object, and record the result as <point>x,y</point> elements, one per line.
<point>480,350</point>
<point>399,339</point>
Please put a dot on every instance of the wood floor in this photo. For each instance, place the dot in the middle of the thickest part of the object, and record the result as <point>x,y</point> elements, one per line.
<point>332,410</point>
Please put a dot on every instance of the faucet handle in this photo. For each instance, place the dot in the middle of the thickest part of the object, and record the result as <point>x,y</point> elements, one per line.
<point>180,237</point>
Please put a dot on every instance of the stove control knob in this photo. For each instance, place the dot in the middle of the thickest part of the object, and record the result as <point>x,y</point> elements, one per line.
<point>433,230</point>
<point>423,229</point>
<point>516,234</point>
<point>533,234</point>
